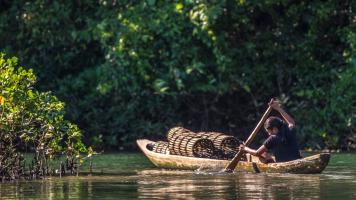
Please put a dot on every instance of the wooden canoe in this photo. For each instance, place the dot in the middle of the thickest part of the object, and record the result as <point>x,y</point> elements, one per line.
<point>308,165</point>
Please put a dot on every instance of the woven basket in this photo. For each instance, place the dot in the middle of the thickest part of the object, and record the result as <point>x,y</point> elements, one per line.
<point>227,144</point>
<point>161,147</point>
<point>187,143</point>
<point>178,131</point>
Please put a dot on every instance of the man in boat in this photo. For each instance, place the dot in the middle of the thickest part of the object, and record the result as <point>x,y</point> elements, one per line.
<point>282,140</point>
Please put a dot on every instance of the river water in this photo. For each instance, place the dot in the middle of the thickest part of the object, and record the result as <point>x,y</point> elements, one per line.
<point>132,176</point>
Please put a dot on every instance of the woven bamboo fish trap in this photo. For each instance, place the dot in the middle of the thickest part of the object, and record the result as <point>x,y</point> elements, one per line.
<point>226,143</point>
<point>161,147</point>
<point>178,131</point>
<point>186,143</point>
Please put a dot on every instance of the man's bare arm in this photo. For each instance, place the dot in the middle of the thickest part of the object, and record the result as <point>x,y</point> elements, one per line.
<point>257,152</point>
<point>276,105</point>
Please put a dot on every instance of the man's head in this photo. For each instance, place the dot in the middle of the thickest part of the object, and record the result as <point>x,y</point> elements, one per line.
<point>273,125</point>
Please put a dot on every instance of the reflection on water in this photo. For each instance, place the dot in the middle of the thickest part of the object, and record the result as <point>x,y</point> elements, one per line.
<point>227,186</point>
<point>71,188</point>
<point>136,178</point>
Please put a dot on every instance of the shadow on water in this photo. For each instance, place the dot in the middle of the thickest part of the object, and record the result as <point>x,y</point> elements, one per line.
<point>133,177</point>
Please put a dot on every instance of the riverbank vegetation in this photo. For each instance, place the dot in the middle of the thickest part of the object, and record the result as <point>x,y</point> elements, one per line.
<point>33,122</point>
<point>133,69</point>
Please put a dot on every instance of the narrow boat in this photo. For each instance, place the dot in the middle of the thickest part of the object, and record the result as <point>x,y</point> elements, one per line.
<point>308,165</point>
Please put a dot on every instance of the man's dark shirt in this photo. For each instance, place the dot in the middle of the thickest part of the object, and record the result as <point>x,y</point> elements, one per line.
<point>284,147</point>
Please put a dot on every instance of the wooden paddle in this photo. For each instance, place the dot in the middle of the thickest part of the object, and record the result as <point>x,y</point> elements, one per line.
<point>231,166</point>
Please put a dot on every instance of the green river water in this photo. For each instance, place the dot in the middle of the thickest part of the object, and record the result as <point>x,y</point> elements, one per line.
<point>132,176</point>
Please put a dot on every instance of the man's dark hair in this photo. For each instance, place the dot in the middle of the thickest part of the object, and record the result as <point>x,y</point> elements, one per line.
<point>276,122</point>
<point>273,122</point>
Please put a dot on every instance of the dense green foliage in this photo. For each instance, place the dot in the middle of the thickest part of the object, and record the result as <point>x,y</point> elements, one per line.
<point>131,69</point>
<point>31,120</point>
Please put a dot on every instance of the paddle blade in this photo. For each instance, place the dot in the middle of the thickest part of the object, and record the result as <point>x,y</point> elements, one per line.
<point>233,163</point>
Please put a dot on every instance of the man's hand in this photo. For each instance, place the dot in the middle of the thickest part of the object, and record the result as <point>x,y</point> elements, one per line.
<point>242,147</point>
<point>275,104</point>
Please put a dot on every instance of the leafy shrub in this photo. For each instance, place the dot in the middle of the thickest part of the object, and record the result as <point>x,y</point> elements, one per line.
<point>31,121</point>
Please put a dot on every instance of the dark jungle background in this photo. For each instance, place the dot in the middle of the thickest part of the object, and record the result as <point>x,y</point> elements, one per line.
<point>129,69</point>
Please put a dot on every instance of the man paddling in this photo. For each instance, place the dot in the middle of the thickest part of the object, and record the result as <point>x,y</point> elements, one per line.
<point>281,142</point>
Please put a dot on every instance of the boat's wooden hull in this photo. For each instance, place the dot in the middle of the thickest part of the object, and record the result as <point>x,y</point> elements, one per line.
<point>309,165</point>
